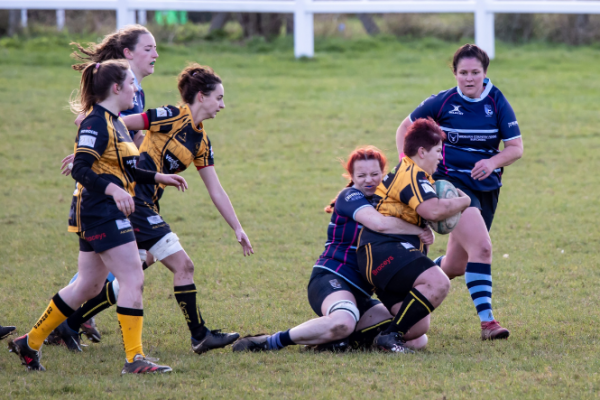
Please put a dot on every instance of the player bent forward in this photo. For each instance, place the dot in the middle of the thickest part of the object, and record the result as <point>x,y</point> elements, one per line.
<point>348,316</point>
<point>408,283</point>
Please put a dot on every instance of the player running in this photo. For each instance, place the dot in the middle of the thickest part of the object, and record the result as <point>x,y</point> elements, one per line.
<point>476,117</point>
<point>348,316</point>
<point>408,283</point>
<point>175,140</point>
<point>105,167</point>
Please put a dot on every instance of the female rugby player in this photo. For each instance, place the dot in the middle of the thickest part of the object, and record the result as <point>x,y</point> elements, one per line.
<point>408,283</point>
<point>105,167</point>
<point>175,140</point>
<point>136,44</point>
<point>336,291</point>
<point>475,116</point>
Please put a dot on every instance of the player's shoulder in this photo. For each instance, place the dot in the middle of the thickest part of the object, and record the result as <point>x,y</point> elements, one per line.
<point>169,111</point>
<point>350,194</point>
<point>92,124</point>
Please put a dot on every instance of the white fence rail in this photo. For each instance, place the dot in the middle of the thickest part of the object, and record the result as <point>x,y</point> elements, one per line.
<point>304,11</point>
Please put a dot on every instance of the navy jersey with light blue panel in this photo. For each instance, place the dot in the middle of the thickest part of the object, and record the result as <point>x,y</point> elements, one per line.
<point>339,256</point>
<point>474,129</point>
<point>139,103</point>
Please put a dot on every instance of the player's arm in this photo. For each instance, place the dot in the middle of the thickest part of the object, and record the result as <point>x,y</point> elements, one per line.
<point>135,122</point>
<point>513,150</point>
<point>375,221</point>
<point>435,209</point>
<point>221,201</point>
<point>139,138</point>
<point>401,132</point>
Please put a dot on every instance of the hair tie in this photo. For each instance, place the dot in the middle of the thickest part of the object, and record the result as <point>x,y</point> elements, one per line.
<point>194,74</point>
<point>97,66</point>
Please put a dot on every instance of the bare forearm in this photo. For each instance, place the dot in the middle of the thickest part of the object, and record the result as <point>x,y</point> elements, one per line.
<point>400,133</point>
<point>397,226</point>
<point>509,155</point>
<point>221,200</point>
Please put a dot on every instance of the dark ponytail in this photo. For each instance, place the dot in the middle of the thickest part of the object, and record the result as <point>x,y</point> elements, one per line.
<point>96,80</point>
<point>196,78</point>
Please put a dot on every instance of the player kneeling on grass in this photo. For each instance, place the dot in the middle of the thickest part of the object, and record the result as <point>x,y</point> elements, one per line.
<point>105,168</point>
<point>174,141</point>
<point>336,292</point>
<point>408,283</point>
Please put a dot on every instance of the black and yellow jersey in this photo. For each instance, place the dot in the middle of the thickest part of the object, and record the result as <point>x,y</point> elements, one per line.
<point>103,136</point>
<point>402,190</point>
<point>172,143</point>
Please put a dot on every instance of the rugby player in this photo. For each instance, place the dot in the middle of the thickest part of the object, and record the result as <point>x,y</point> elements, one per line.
<point>348,316</point>
<point>476,117</point>
<point>105,168</point>
<point>175,140</point>
<point>408,283</point>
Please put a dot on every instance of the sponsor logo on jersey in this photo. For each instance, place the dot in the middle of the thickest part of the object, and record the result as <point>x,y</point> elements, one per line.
<point>427,188</point>
<point>123,224</point>
<point>163,112</point>
<point>87,141</point>
<point>212,155</point>
<point>88,131</point>
<point>381,266</point>
<point>354,196</point>
<point>407,246</point>
<point>173,162</point>
<point>514,123</point>
<point>455,110</point>
<point>99,236</point>
<point>335,284</point>
<point>155,219</point>
<point>488,110</point>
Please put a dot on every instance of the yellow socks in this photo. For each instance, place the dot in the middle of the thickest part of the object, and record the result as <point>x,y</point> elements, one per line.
<point>131,322</point>
<point>54,315</point>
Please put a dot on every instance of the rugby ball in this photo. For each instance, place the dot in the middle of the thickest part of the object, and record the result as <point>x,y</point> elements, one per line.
<point>445,190</point>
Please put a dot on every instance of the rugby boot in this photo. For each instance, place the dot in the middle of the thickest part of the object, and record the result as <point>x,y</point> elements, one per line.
<point>492,330</point>
<point>392,342</point>
<point>69,337</point>
<point>141,365</point>
<point>53,339</point>
<point>338,346</point>
<point>88,328</point>
<point>254,343</point>
<point>213,340</point>
<point>6,331</point>
<point>29,357</point>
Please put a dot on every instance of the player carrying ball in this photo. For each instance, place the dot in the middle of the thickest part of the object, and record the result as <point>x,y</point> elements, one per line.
<point>105,167</point>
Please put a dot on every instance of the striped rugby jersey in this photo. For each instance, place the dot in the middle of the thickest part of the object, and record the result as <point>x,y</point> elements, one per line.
<point>474,129</point>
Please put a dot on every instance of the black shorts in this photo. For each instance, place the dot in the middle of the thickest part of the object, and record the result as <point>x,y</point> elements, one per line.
<point>380,257</point>
<point>485,202</point>
<point>106,236</point>
<point>322,283</point>
<point>401,283</point>
<point>147,223</point>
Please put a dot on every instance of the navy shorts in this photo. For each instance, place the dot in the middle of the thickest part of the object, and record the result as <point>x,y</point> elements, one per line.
<point>400,284</point>
<point>485,202</point>
<point>322,283</point>
<point>147,223</point>
<point>106,236</point>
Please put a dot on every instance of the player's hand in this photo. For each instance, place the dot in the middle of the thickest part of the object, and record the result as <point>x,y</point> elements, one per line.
<point>67,165</point>
<point>172,180</point>
<point>79,119</point>
<point>461,193</point>
<point>427,236</point>
<point>123,199</point>
<point>483,169</point>
<point>242,239</point>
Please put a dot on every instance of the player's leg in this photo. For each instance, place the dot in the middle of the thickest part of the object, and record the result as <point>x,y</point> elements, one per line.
<point>172,255</point>
<point>6,331</point>
<point>92,273</point>
<point>424,287</point>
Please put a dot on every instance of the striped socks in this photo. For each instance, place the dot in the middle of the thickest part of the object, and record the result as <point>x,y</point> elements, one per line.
<point>279,340</point>
<point>479,282</point>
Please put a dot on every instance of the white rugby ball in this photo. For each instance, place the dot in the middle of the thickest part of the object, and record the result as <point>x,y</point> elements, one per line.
<point>445,190</point>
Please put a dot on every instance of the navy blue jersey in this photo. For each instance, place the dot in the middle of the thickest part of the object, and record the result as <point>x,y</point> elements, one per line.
<point>474,129</point>
<point>139,103</point>
<point>342,235</point>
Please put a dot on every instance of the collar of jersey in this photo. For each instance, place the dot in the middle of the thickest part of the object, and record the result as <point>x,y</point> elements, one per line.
<point>488,87</point>
<point>194,126</point>
<point>136,83</point>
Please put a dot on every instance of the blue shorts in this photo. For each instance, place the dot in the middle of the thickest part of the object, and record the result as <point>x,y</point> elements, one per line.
<point>106,236</point>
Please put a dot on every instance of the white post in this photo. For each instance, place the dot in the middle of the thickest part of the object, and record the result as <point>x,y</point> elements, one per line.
<point>125,15</point>
<point>484,28</point>
<point>142,17</point>
<point>60,19</point>
<point>24,18</point>
<point>304,33</point>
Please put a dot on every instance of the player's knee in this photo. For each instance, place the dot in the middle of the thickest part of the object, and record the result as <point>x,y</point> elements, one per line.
<point>344,316</point>
<point>188,267</point>
<point>341,330</point>
<point>482,251</point>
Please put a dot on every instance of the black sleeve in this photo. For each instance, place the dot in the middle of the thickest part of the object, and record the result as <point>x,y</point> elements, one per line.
<point>82,173</point>
<point>143,176</point>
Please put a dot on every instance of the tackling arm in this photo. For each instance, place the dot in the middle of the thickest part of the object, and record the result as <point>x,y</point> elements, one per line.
<point>401,132</point>
<point>377,222</point>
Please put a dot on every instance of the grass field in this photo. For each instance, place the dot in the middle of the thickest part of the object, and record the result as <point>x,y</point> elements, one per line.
<point>276,147</point>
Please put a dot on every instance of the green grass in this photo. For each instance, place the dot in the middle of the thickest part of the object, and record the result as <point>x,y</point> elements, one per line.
<point>276,148</point>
